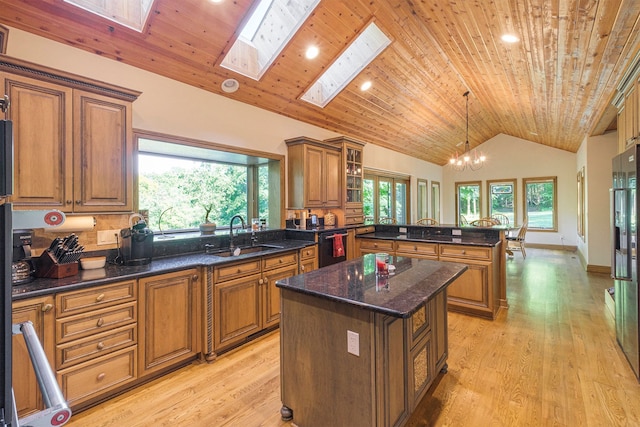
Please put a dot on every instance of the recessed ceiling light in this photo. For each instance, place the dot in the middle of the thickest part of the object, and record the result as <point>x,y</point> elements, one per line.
<point>366,85</point>
<point>510,38</point>
<point>230,85</point>
<point>312,52</point>
<point>216,1</point>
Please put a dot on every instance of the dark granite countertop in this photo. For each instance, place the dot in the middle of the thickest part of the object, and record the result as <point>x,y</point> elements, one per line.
<point>113,273</point>
<point>354,282</point>
<point>475,240</point>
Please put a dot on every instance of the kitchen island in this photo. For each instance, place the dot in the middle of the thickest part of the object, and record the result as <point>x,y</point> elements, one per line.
<point>362,350</point>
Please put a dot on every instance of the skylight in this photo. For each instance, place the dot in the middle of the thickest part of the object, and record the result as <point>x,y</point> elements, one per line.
<point>130,13</point>
<point>266,33</point>
<point>369,44</point>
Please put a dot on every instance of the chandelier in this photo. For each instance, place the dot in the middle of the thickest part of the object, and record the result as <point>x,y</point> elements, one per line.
<point>472,159</point>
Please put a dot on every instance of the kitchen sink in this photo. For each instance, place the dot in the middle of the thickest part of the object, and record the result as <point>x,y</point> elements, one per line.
<point>245,250</point>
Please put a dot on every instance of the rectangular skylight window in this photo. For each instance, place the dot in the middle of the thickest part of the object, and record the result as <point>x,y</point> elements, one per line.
<point>266,33</point>
<point>369,44</point>
<point>130,13</point>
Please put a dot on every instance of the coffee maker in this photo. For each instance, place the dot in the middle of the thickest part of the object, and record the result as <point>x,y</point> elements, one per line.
<point>137,244</point>
<point>22,266</point>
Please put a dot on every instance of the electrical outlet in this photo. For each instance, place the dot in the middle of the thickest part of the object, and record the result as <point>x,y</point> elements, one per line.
<point>353,343</point>
<point>107,237</point>
<point>456,232</point>
<point>402,230</point>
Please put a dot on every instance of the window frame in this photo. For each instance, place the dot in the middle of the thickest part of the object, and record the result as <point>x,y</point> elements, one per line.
<point>467,184</point>
<point>276,167</point>
<point>376,177</point>
<point>436,208</point>
<point>544,179</point>
<point>510,181</point>
<point>582,230</point>
<point>420,213</point>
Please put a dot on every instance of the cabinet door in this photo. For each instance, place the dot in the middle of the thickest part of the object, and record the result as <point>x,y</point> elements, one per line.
<point>236,310</point>
<point>333,181</point>
<point>271,294</point>
<point>314,179</point>
<point>43,156</point>
<point>471,290</point>
<point>38,311</point>
<point>102,154</point>
<point>168,319</point>
<point>440,342</point>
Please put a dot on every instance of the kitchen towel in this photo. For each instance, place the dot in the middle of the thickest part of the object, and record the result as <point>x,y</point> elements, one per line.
<point>338,246</point>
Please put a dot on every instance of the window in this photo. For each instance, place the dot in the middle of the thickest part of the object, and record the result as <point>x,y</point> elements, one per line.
<point>435,200</point>
<point>179,180</point>
<point>423,205</point>
<point>467,202</point>
<point>386,197</point>
<point>540,203</point>
<point>502,197</point>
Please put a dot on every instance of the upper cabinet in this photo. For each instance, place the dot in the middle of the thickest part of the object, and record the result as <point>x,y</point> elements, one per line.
<point>315,174</point>
<point>352,170</point>
<point>72,140</point>
<point>627,101</point>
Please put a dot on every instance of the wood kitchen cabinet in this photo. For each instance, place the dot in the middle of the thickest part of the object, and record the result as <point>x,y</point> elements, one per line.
<point>169,319</point>
<point>352,211</point>
<point>246,299</point>
<point>627,101</point>
<point>39,311</point>
<point>96,341</point>
<point>315,174</point>
<point>72,140</point>
<point>308,259</point>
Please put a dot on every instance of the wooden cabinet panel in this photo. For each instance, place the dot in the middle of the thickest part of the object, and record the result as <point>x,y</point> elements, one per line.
<point>308,259</point>
<point>471,289</point>
<point>95,297</point>
<point>43,158</point>
<point>92,378</point>
<point>103,154</point>
<point>40,312</point>
<point>282,260</point>
<point>271,293</point>
<point>466,252</point>
<point>439,322</point>
<point>368,246</point>
<point>168,320</point>
<point>333,179</point>
<point>85,324</point>
<point>420,370</point>
<point>417,249</point>
<point>314,179</point>
<point>236,310</point>
<point>81,350</point>
<point>232,271</point>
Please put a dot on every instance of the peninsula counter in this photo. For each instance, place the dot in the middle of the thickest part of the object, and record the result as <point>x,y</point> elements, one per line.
<point>359,350</point>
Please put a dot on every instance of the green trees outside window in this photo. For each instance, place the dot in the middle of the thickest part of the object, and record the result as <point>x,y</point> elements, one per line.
<point>540,203</point>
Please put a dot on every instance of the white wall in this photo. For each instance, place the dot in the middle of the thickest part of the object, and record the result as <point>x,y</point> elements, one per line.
<point>509,157</point>
<point>596,154</point>
<point>174,108</point>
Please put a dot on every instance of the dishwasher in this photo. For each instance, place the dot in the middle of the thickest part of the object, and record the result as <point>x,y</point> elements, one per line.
<point>325,247</point>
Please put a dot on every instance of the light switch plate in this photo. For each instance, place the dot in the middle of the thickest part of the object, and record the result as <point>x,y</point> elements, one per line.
<point>353,343</point>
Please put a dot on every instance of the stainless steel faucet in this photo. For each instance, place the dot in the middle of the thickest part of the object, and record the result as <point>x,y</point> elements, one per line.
<point>231,228</point>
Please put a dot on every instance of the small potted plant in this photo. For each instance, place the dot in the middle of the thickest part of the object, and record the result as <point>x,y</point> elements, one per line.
<point>207,227</point>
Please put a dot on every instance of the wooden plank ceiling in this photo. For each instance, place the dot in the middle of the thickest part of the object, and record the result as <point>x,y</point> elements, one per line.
<point>554,87</point>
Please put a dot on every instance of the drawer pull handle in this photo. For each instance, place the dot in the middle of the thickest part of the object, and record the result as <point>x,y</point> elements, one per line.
<point>101,376</point>
<point>261,281</point>
<point>239,270</point>
<point>464,252</point>
<point>100,322</point>
<point>194,277</point>
<point>280,260</point>
<point>302,268</point>
<point>100,345</point>
<point>99,297</point>
<point>47,308</point>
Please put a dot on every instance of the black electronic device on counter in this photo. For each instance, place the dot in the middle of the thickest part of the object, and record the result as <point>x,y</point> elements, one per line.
<point>137,244</point>
<point>22,266</point>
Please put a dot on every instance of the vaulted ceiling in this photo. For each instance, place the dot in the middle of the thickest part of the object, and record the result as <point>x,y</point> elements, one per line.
<point>553,87</point>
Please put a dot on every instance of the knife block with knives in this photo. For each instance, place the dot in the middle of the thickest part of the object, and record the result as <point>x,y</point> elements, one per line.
<point>60,259</point>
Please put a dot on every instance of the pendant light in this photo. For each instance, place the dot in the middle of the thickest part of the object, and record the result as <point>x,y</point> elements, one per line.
<point>471,159</point>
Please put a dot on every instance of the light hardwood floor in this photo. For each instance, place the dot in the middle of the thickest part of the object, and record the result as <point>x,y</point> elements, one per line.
<point>550,359</point>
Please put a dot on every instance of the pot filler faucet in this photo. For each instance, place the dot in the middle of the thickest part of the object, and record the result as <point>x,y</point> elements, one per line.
<point>231,229</point>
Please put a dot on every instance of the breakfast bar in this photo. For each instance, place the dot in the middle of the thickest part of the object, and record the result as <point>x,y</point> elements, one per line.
<point>360,348</point>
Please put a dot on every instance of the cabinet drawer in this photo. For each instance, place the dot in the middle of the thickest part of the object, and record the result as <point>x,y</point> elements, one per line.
<point>85,324</point>
<point>97,376</point>
<point>78,351</point>
<point>309,252</point>
<point>353,219</point>
<point>100,296</point>
<point>354,211</point>
<point>376,244</point>
<point>417,248</point>
<point>231,271</point>
<point>282,260</point>
<point>419,325</point>
<point>365,230</point>
<point>470,252</point>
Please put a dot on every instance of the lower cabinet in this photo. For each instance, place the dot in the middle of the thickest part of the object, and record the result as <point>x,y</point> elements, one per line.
<point>246,299</point>
<point>308,259</point>
<point>41,313</point>
<point>169,320</point>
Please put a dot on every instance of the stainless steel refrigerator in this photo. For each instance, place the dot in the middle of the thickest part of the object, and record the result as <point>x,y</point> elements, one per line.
<point>624,262</point>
